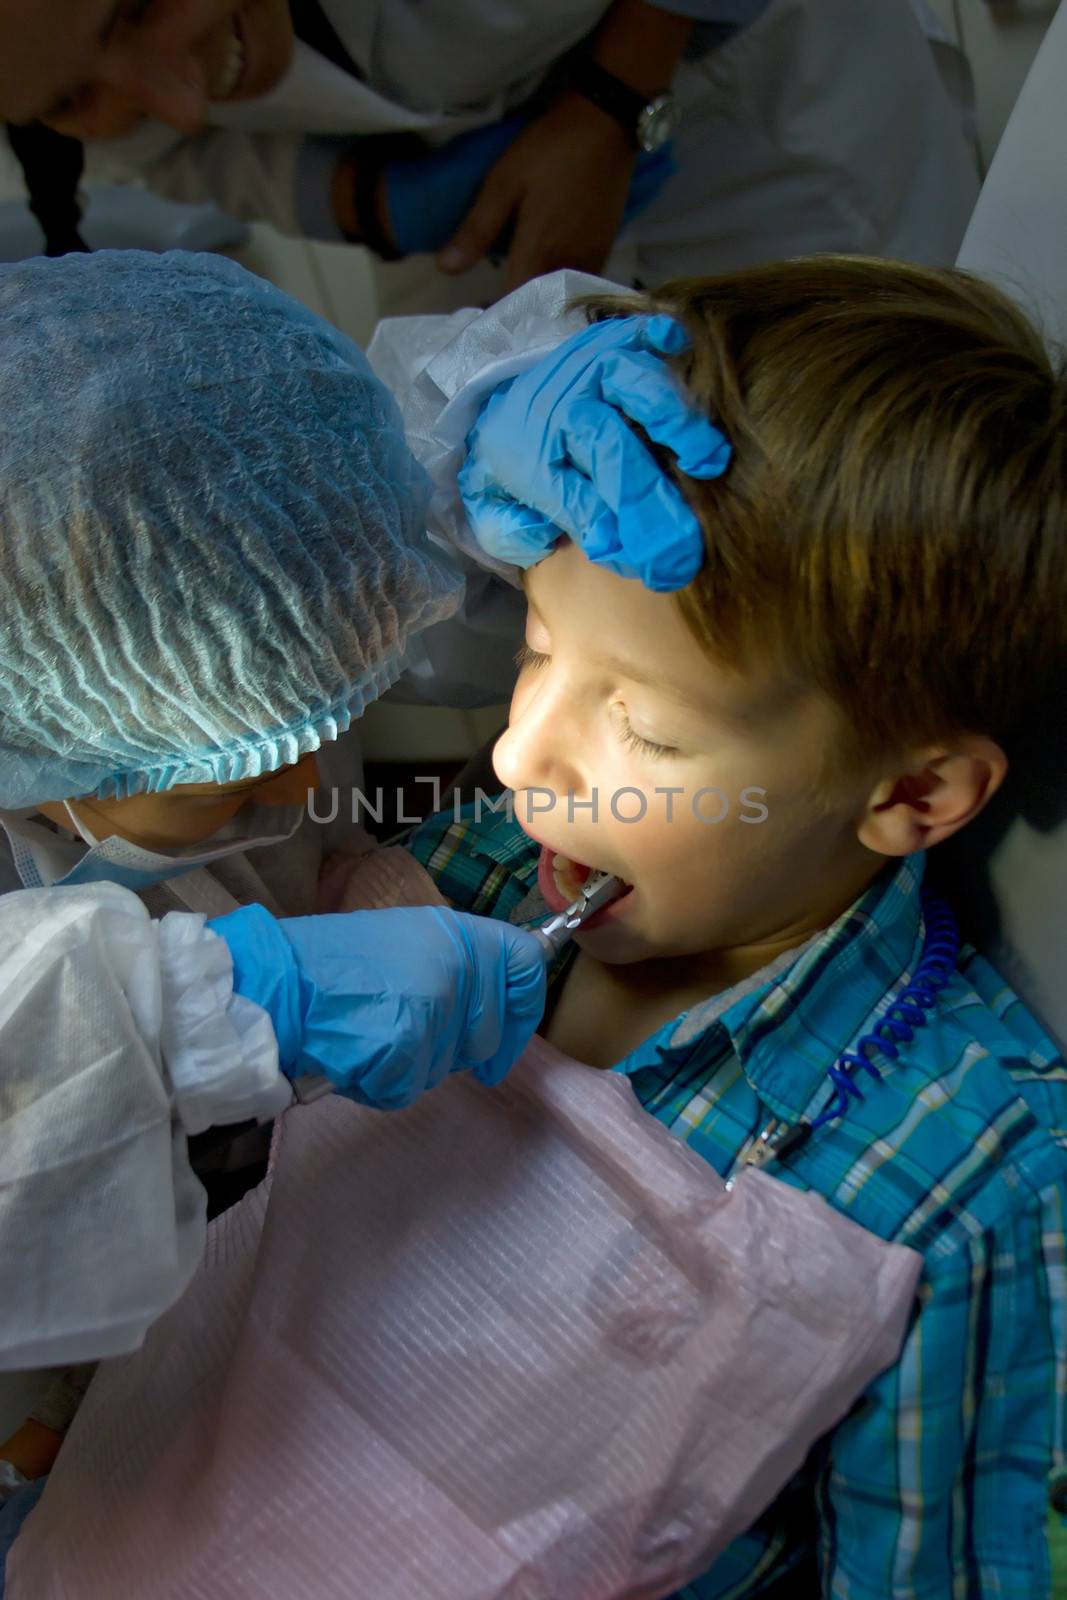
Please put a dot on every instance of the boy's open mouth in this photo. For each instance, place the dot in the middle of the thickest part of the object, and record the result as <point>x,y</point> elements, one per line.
<point>560,881</point>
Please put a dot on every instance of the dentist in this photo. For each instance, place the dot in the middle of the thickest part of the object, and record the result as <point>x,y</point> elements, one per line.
<point>214,553</point>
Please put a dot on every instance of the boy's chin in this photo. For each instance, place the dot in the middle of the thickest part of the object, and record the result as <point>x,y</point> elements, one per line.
<point>616,946</point>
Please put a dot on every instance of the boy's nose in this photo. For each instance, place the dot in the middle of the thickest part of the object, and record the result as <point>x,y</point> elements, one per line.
<point>539,749</point>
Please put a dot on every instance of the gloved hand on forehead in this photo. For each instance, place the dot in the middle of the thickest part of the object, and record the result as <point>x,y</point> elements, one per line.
<point>553,453</point>
<point>388,1003</point>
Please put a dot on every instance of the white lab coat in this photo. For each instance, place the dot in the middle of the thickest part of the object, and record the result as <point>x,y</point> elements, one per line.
<point>119,1037</point>
<point>823,125</point>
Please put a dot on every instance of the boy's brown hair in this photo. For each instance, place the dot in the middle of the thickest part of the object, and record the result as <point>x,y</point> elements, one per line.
<point>893,524</point>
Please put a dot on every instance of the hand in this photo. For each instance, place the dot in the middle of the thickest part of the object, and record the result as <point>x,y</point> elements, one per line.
<point>388,1003</point>
<point>553,453</point>
<point>561,188</point>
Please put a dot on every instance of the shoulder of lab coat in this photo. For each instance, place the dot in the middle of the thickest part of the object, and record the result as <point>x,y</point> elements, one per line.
<point>251,176</point>
<point>270,159</point>
<point>248,159</point>
<point>117,1039</point>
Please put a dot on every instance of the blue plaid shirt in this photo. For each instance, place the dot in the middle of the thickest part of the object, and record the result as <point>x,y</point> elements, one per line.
<point>934,1486</point>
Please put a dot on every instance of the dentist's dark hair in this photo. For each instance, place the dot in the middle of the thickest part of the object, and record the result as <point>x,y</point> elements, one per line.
<point>52,168</point>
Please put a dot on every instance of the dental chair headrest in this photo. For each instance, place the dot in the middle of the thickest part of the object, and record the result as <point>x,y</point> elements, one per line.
<point>1007,873</point>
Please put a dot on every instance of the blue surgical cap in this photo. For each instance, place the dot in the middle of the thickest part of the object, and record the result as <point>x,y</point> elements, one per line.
<point>212,532</point>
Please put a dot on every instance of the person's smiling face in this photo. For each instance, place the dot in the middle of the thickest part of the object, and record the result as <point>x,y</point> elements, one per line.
<point>615,695</point>
<point>95,68</point>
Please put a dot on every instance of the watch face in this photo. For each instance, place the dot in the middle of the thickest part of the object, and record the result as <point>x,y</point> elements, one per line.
<point>657,123</point>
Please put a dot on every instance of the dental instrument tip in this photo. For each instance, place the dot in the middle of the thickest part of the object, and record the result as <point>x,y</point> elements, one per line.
<point>598,891</point>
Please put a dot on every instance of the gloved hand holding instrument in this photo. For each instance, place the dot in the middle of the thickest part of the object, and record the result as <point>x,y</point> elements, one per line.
<point>383,1005</point>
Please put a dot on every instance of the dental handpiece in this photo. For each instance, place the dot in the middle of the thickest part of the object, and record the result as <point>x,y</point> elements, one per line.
<point>598,891</point>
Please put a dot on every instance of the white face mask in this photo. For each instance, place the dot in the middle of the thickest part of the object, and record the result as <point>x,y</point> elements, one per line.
<point>81,828</point>
<point>44,860</point>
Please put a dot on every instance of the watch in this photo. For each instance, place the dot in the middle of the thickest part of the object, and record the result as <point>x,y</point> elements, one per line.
<point>649,124</point>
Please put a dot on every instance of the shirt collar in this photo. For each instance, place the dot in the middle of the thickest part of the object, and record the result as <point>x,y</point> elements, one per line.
<point>793,1020</point>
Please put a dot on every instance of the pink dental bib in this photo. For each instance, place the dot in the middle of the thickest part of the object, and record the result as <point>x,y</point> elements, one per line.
<point>510,1344</point>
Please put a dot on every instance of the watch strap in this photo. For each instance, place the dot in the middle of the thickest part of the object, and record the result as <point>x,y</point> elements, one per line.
<point>366,163</point>
<point>595,83</point>
<point>366,176</point>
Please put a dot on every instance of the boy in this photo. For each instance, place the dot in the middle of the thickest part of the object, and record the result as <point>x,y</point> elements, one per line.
<point>763,760</point>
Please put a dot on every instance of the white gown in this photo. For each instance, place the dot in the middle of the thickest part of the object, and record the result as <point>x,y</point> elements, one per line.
<point>120,1037</point>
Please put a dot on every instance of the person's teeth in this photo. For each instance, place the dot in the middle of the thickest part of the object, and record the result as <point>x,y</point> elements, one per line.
<point>226,82</point>
<point>567,879</point>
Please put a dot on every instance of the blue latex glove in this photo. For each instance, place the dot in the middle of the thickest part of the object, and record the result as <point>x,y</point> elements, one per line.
<point>13,1513</point>
<point>387,1003</point>
<point>552,453</point>
<point>427,196</point>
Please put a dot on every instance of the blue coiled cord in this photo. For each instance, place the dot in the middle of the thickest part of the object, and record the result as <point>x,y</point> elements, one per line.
<point>941,948</point>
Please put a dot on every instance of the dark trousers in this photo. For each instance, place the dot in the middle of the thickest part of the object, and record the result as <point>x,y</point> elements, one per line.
<point>802,1583</point>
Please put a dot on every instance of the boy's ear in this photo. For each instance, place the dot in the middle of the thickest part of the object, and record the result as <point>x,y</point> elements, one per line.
<point>935,794</point>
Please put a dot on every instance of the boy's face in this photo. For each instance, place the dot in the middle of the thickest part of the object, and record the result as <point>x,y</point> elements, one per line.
<point>617,701</point>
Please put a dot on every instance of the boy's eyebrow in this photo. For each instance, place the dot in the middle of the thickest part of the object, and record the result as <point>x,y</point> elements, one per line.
<point>754,705</point>
<point>627,669</point>
<point>650,677</point>
<point>653,679</point>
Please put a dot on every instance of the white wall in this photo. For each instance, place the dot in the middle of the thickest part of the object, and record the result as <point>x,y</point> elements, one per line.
<point>1000,41</point>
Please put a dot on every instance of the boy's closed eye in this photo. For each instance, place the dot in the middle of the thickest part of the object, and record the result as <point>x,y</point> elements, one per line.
<point>527,658</point>
<point>648,747</point>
